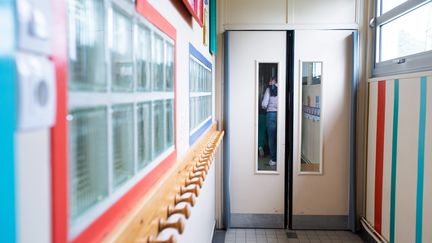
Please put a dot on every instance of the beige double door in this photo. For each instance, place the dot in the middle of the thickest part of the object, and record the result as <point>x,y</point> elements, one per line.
<point>256,190</point>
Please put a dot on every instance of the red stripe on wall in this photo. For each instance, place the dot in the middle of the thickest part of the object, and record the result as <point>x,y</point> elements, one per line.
<point>379,159</point>
<point>59,158</point>
<point>152,15</point>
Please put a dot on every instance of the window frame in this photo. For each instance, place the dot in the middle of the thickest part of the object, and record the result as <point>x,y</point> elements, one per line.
<point>197,131</point>
<point>194,10</point>
<point>101,222</point>
<point>404,64</point>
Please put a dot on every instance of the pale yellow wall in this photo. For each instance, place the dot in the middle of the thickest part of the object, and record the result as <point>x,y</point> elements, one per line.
<point>282,14</point>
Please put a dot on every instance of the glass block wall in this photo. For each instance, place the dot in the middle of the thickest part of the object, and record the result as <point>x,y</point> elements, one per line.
<point>200,94</point>
<point>121,103</point>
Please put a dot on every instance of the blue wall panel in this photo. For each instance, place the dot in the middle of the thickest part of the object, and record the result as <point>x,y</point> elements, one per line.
<point>7,122</point>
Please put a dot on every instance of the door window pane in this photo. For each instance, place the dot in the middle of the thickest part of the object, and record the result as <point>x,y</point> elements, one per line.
<point>86,35</point>
<point>158,64</point>
<point>158,127</point>
<point>169,68</point>
<point>407,35</point>
<point>88,154</point>
<point>121,51</point>
<point>143,61</point>
<point>144,135</point>
<point>169,110</point>
<point>123,146</point>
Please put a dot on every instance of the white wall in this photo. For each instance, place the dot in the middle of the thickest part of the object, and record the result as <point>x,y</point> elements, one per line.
<point>199,227</point>
<point>33,178</point>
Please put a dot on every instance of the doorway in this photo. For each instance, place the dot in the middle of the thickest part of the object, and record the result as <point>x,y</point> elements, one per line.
<point>256,66</point>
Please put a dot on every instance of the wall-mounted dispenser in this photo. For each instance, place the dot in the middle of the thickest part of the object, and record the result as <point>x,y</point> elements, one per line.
<point>35,71</point>
<point>36,85</point>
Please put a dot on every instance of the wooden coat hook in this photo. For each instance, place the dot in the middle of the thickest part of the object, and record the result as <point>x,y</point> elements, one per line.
<point>179,225</point>
<point>195,190</point>
<point>204,159</point>
<point>203,168</point>
<point>188,199</point>
<point>197,175</point>
<point>195,181</point>
<point>171,239</point>
<point>202,163</point>
<point>184,210</point>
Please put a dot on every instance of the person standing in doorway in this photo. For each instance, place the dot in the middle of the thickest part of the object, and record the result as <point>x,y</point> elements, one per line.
<point>270,104</point>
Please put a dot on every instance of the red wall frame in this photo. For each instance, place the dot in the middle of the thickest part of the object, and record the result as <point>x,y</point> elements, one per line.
<point>59,139</point>
<point>196,10</point>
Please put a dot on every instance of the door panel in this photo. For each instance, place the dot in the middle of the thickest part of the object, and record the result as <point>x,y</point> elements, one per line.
<point>257,198</point>
<point>321,200</point>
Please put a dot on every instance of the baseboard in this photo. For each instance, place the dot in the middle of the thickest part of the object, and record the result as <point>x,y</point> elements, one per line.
<point>274,221</point>
<point>320,222</point>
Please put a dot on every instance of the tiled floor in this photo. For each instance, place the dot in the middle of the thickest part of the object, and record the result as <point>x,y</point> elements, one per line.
<point>281,236</point>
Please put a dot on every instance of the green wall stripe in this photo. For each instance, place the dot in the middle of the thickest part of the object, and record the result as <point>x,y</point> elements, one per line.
<point>420,161</point>
<point>394,159</point>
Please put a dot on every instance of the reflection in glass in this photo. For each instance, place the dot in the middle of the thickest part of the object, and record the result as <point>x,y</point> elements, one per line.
<point>158,127</point>
<point>311,117</point>
<point>143,50</point>
<point>169,68</point>
<point>123,145</point>
<point>200,87</point>
<point>86,35</point>
<point>158,63</point>
<point>144,134</point>
<point>121,51</point>
<point>88,169</point>
<point>169,110</point>
<point>408,34</point>
<point>387,5</point>
<point>267,93</point>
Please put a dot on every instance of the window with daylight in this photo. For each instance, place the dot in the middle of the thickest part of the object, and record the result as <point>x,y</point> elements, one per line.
<point>403,36</point>
<point>200,94</point>
<point>121,104</point>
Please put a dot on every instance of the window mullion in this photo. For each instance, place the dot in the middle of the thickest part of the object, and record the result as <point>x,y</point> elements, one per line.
<point>398,11</point>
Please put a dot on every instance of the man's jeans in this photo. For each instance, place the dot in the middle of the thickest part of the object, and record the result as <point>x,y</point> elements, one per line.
<point>272,133</point>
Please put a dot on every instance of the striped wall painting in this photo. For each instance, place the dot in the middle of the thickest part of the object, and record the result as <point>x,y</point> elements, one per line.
<point>399,161</point>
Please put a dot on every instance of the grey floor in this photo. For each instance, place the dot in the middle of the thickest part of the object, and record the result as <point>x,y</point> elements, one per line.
<point>283,236</point>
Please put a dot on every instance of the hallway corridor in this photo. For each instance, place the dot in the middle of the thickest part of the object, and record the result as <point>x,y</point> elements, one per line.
<point>215,121</point>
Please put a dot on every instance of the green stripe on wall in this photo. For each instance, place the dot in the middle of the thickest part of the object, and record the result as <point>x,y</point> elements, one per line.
<point>394,160</point>
<point>420,168</point>
<point>213,19</point>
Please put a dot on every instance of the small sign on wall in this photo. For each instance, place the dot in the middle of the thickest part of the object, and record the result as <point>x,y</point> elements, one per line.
<point>206,31</point>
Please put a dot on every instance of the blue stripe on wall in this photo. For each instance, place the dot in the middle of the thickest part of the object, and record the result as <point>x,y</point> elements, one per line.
<point>420,168</point>
<point>200,131</point>
<point>195,53</point>
<point>7,123</point>
<point>394,160</point>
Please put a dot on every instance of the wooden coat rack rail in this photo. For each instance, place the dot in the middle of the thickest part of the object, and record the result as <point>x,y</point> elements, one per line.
<point>175,193</point>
